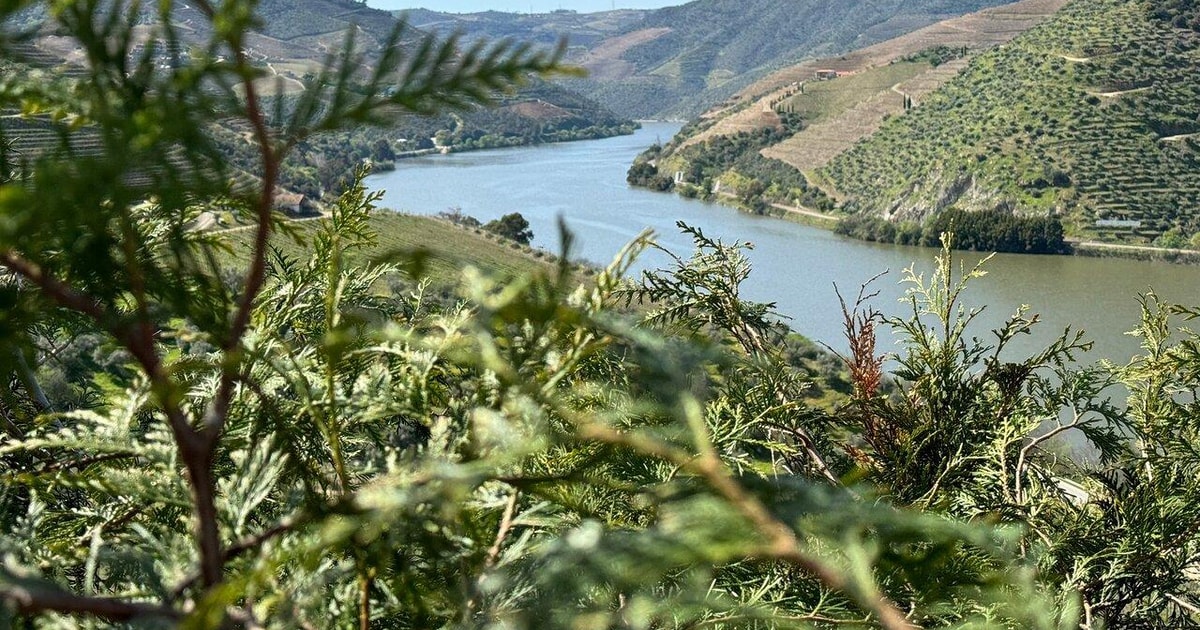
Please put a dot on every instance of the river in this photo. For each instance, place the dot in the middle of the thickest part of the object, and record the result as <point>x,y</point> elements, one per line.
<point>795,266</point>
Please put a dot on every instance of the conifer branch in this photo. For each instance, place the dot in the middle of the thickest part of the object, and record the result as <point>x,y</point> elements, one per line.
<point>58,291</point>
<point>30,601</point>
<point>782,543</point>
<point>250,543</point>
<point>138,345</point>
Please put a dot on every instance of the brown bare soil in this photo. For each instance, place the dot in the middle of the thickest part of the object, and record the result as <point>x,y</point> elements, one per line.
<point>538,110</point>
<point>604,62</point>
<point>818,144</point>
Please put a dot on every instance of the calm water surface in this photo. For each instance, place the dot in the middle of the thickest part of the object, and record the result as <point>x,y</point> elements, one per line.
<point>795,266</point>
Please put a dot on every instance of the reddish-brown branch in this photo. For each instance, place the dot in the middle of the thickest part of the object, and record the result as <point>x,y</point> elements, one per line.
<point>200,463</point>
<point>33,601</point>
<point>140,346</point>
<point>256,275</point>
<point>214,420</point>
<point>365,582</point>
<point>144,328</point>
<point>196,452</point>
<point>55,289</point>
<point>782,543</point>
<point>248,544</point>
<point>81,464</point>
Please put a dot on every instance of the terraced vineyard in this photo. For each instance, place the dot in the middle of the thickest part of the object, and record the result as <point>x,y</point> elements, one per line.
<point>795,124</point>
<point>979,30</point>
<point>28,140</point>
<point>1089,117</point>
<point>287,20</point>
<point>835,129</point>
<point>32,139</point>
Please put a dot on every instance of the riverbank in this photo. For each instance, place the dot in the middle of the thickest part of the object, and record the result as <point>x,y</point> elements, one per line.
<point>1087,249</point>
<point>1093,249</point>
<point>488,143</point>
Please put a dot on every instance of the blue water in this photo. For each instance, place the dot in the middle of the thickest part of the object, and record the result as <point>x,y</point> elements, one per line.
<point>795,266</point>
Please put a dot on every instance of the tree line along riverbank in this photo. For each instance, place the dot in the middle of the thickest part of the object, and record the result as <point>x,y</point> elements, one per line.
<point>730,171</point>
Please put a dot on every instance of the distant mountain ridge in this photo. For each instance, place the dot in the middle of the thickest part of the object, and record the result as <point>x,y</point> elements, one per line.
<point>582,29</point>
<point>293,40</point>
<point>677,61</point>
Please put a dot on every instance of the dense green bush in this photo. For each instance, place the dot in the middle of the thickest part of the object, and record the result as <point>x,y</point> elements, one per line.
<point>283,441</point>
<point>988,231</point>
<point>869,228</point>
<point>512,226</point>
<point>762,180</point>
<point>645,174</point>
<point>999,231</point>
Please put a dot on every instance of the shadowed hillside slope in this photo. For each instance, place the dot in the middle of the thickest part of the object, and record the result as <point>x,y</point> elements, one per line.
<point>678,61</point>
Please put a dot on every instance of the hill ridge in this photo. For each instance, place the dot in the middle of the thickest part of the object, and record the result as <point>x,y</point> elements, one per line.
<point>952,32</point>
<point>687,57</point>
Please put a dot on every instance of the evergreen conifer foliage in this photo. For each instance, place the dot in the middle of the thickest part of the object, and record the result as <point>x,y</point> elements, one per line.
<point>297,443</point>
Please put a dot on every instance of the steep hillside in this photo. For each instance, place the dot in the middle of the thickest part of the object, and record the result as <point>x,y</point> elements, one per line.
<point>318,23</point>
<point>1093,117</point>
<point>583,30</point>
<point>715,47</point>
<point>678,61</point>
<point>297,34</point>
<point>795,87</point>
<point>293,40</point>
<point>766,146</point>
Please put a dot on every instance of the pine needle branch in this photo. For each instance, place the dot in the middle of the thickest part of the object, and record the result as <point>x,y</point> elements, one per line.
<point>33,600</point>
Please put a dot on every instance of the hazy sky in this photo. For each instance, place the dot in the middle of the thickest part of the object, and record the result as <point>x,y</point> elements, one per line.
<point>521,6</point>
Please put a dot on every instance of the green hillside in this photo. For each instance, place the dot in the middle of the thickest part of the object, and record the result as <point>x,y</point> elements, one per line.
<point>678,61</point>
<point>733,36</point>
<point>311,19</point>
<point>1091,117</point>
<point>448,247</point>
<point>291,41</point>
<point>584,30</point>
<point>716,47</point>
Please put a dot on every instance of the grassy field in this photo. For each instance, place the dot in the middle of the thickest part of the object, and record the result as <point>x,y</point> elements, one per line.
<point>824,99</point>
<point>450,248</point>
